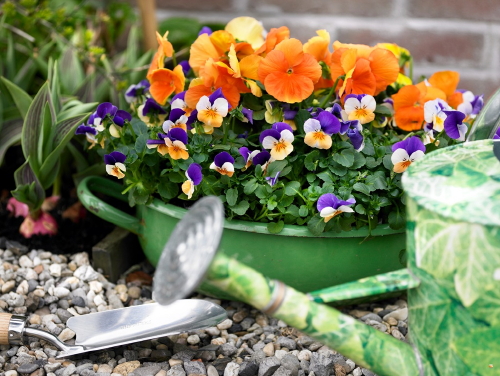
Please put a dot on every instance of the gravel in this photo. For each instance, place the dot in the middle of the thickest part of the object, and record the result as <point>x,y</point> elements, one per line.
<point>50,288</point>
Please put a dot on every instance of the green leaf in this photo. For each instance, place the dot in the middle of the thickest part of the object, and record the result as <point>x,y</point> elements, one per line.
<point>325,176</point>
<point>241,207</point>
<point>480,348</point>
<point>316,225</point>
<point>250,186</point>
<point>168,190</point>
<point>311,160</point>
<point>10,134</point>
<point>140,143</point>
<point>360,209</point>
<point>372,162</point>
<point>19,96</point>
<point>376,181</point>
<point>397,220</point>
<point>232,196</point>
<point>28,188</point>
<point>32,127</point>
<point>292,188</point>
<point>293,210</point>
<point>303,211</point>
<point>387,162</point>
<point>359,161</point>
<point>276,166</point>
<point>383,110</point>
<point>300,119</point>
<point>337,169</point>
<point>275,227</point>
<point>361,187</point>
<point>345,157</point>
<point>263,191</point>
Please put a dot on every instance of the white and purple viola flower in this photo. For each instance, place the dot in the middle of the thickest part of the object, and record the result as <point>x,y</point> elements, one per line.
<point>247,156</point>
<point>319,131</point>
<point>247,115</point>
<point>439,116</point>
<point>405,152</point>
<point>115,164</point>
<point>278,140</point>
<point>176,142</point>
<point>330,206</point>
<point>223,163</point>
<point>90,132</point>
<point>471,105</point>
<point>194,177</point>
<point>434,115</point>
<point>151,112</point>
<point>118,118</point>
<point>360,107</point>
<point>178,102</point>
<point>159,144</point>
<point>454,126</point>
<point>212,110</point>
<point>135,92</point>
<point>176,119</point>
<point>273,180</point>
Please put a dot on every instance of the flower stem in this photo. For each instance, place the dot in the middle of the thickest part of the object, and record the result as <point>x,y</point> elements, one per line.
<point>330,93</point>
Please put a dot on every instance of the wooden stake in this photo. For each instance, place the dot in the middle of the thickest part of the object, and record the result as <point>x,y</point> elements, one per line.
<point>149,23</point>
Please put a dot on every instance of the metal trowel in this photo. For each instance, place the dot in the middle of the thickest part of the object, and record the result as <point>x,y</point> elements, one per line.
<point>116,327</point>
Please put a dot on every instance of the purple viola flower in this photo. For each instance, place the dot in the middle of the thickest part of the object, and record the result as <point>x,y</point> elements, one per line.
<point>178,102</point>
<point>121,117</point>
<point>194,177</point>
<point>496,136</point>
<point>176,119</point>
<point>151,107</point>
<point>353,130</point>
<point>223,163</point>
<point>319,130</point>
<point>106,109</point>
<point>405,152</point>
<point>330,206</point>
<point>272,181</point>
<point>205,30</point>
<point>471,105</point>
<point>176,142</point>
<point>263,158</point>
<point>115,164</point>
<point>248,114</point>
<point>134,92</point>
<point>89,132</point>
<point>453,125</point>
<point>185,66</point>
<point>247,156</point>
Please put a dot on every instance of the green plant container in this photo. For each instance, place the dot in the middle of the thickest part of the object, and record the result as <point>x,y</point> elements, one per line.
<point>294,256</point>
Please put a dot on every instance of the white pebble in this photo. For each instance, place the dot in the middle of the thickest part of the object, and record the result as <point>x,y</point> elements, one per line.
<point>280,354</point>
<point>305,355</point>
<point>357,372</point>
<point>269,349</point>
<point>61,292</point>
<point>193,339</point>
<point>212,371</point>
<point>8,286</point>
<point>232,369</point>
<point>398,314</point>
<point>23,288</point>
<point>30,274</point>
<point>350,364</point>
<point>174,362</point>
<point>226,324</point>
<point>66,334</point>
<point>95,286</point>
<point>55,270</point>
<point>25,262</point>
<point>11,373</point>
<point>218,341</point>
<point>213,331</point>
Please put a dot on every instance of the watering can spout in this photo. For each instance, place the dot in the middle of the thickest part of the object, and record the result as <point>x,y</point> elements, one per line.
<point>365,345</point>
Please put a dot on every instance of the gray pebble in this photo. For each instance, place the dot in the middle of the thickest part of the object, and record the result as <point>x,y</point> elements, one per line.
<point>291,363</point>
<point>232,369</point>
<point>28,368</point>
<point>286,342</point>
<point>367,372</point>
<point>176,371</point>
<point>211,371</point>
<point>282,371</point>
<point>130,355</point>
<point>146,371</point>
<point>228,349</point>
<point>372,316</point>
<point>248,369</point>
<point>268,366</point>
<point>87,372</point>
<point>194,367</point>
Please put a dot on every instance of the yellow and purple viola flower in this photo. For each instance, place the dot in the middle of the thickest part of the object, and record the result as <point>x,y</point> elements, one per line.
<point>360,107</point>
<point>178,102</point>
<point>159,144</point>
<point>319,131</point>
<point>247,156</point>
<point>471,104</point>
<point>115,164</point>
<point>176,141</point>
<point>89,132</point>
<point>194,177</point>
<point>330,206</point>
<point>273,180</point>
<point>405,152</point>
<point>223,163</point>
<point>212,110</point>
<point>118,118</point>
<point>434,115</point>
<point>136,92</point>
<point>176,119</point>
<point>353,129</point>
<point>278,140</point>
<point>151,112</point>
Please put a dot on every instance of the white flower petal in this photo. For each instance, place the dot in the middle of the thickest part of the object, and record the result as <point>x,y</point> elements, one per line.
<point>213,166</point>
<point>121,166</point>
<point>287,136</point>
<point>369,102</point>
<point>400,155</point>
<point>221,106</point>
<point>178,103</point>
<point>312,125</point>
<point>345,209</point>
<point>325,212</point>
<point>203,103</point>
<point>167,125</point>
<point>351,104</point>
<point>268,142</point>
<point>114,131</point>
<point>228,166</point>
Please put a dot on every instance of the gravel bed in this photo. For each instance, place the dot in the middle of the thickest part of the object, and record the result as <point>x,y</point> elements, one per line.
<point>50,288</point>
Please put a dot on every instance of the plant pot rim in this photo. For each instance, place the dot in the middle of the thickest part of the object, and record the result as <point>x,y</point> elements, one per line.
<point>288,230</point>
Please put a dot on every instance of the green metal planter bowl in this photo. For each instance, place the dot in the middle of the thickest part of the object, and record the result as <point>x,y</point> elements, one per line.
<point>295,256</point>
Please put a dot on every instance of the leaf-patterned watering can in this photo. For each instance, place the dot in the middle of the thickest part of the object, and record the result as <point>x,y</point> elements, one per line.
<point>453,273</point>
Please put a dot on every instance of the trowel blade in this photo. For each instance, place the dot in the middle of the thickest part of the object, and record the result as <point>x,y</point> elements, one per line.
<point>138,323</point>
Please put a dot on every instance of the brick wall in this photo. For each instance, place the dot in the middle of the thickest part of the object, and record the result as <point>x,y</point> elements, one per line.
<point>461,35</point>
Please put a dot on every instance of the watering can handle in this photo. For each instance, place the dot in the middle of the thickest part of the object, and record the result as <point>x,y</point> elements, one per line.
<point>399,280</point>
<point>102,209</point>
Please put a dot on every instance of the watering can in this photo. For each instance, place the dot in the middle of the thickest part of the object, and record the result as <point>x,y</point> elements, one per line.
<point>453,273</point>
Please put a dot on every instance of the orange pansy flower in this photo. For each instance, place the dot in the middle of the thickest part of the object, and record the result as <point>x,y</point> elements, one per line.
<point>274,37</point>
<point>318,46</point>
<point>367,70</point>
<point>409,107</point>
<point>165,49</point>
<point>288,73</point>
<point>198,90</point>
<point>205,47</point>
<point>164,82</point>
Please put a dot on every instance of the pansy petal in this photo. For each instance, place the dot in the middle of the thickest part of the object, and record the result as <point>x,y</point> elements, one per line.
<point>194,173</point>
<point>221,106</point>
<point>268,142</point>
<point>329,123</point>
<point>312,125</point>
<point>369,102</point>
<point>415,156</point>
<point>326,200</point>
<point>287,136</point>
<point>261,158</point>
<point>399,155</point>
<point>222,158</point>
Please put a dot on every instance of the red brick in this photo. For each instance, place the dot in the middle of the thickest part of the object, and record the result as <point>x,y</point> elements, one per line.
<point>195,5</point>
<point>463,49</point>
<point>480,10</point>
<point>360,8</point>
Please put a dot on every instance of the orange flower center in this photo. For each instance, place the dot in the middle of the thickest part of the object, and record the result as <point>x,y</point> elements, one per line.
<point>406,164</point>
<point>279,146</point>
<point>319,136</point>
<point>361,112</point>
<point>289,71</point>
<point>211,113</point>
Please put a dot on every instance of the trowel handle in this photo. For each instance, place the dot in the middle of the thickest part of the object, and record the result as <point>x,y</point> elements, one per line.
<point>11,329</point>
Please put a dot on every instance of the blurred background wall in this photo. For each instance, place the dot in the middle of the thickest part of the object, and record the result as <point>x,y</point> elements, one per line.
<point>461,35</point>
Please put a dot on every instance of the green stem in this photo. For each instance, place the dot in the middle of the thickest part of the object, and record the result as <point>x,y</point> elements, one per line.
<point>411,68</point>
<point>332,90</point>
<point>263,215</point>
<point>56,186</point>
